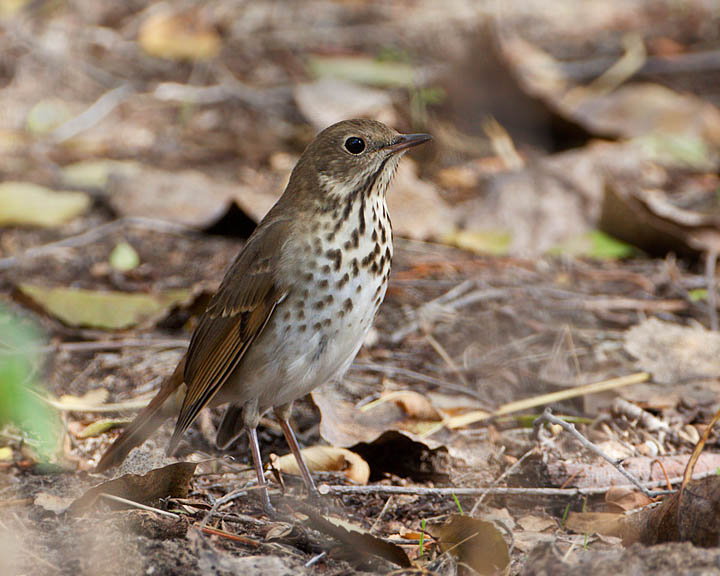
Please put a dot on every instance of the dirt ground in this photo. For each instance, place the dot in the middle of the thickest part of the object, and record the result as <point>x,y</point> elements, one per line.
<point>555,248</point>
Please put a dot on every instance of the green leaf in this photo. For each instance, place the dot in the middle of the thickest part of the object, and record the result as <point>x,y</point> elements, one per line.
<point>595,244</point>
<point>363,70</point>
<point>105,310</point>
<point>19,405</point>
<point>26,204</point>
<point>698,294</point>
<point>101,426</point>
<point>124,257</point>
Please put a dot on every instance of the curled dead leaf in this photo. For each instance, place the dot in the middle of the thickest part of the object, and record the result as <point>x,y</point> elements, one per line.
<point>624,498</point>
<point>326,459</point>
<point>414,404</point>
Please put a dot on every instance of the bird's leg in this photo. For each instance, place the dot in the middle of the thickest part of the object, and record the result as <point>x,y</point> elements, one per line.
<point>283,415</point>
<point>251,418</point>
<point>257,461</point>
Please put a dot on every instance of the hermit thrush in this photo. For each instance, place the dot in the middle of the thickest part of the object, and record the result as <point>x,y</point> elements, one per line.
<point>297,302</point>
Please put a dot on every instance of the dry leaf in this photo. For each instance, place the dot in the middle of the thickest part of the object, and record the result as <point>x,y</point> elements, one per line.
<point>417,208</point>
<point>673,353</point>
<point>357,542</point>
<point>329,100</point>
<point>474,542</point>
<point>52,502</point>
<point>94,397</point>
<point>414,404</point>
<point>26,204</point>
<point>343,424</point>
<point>170,481</point>
<point>326,459</point>
<point>107,310</point>
<point>534,523</point>
<point>189,197</point>
<point>646,217</point>
<point>696,518</point>
<point>625,499</point>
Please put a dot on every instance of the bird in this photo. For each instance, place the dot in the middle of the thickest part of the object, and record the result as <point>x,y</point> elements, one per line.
<point>296,304</point>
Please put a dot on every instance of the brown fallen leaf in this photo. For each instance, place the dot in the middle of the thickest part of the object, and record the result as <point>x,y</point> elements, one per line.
<point>190,197</point>
<point>646,217</point>
<point>170,481</point>
<point>328,100</point>
<point>474,542</point>
<point>326,459</point>
<point>418,210</point>
<point>357,542</point>
<point>344,424</point>
<point>695,518</point>
<point>414,404</point>
<point>624,498</point>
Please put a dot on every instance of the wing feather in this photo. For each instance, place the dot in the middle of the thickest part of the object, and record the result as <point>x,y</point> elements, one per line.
<point>235,317</point>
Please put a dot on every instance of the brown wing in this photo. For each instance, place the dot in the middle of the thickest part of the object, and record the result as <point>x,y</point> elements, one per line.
<point>235,316</point>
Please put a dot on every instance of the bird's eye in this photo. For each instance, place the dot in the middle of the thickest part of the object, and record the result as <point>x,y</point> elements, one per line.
<point>354,145</point>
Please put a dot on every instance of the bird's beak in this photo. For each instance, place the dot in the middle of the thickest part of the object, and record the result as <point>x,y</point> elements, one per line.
<point>405,141</point>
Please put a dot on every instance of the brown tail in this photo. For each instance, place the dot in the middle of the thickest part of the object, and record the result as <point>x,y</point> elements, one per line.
<point>149,420</point>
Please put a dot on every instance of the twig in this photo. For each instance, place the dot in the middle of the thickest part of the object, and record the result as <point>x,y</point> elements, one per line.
<point>230,536</point>
<point>382,513</point>
<point>491,490</point>
<point>101,108</point>
<point>140,506</point>
<point>548,416</point>
<point>94,234</point>
<point>315,559</point>
<point>710,263</point>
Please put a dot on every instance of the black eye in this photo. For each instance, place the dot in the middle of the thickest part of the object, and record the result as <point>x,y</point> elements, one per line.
<point>354,145</point>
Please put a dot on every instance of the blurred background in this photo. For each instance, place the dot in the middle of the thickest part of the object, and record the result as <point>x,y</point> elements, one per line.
<point>561,229</point>
<point>194,112</point>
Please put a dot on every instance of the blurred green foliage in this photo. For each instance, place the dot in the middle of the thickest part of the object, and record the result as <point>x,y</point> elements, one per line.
<point>20,406</point>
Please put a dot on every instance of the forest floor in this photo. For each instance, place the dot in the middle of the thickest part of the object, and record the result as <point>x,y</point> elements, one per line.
<point>555,248</point>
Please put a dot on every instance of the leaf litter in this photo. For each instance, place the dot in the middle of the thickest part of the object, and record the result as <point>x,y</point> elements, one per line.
<point>467,348</point>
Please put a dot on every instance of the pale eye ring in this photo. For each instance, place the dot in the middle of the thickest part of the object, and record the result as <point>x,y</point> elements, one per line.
<point>355,145</point>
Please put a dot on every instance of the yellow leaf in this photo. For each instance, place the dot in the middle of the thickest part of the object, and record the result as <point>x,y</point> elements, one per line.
<point>26,204</point>
<point>178,36</point>
<point>326,459</point>
<point>106,310</point>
